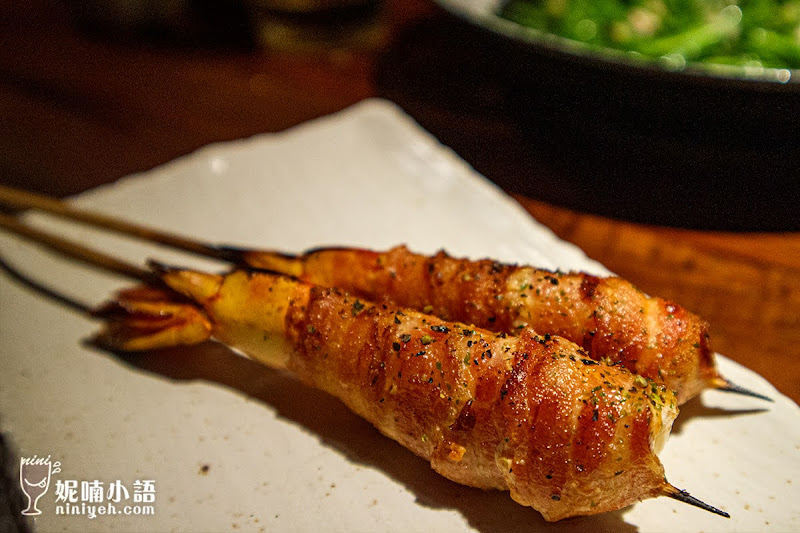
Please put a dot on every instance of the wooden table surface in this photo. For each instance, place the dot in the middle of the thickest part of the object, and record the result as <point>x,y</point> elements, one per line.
<point>80,108</point>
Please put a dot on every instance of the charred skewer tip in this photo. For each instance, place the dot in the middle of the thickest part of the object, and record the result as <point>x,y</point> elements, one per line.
<point>232,254</point>
<point>724,385</point>
<point>683,496</point>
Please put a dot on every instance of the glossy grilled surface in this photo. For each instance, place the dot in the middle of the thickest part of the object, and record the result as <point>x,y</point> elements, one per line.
<point>532,414</point>
<point>608,317</point>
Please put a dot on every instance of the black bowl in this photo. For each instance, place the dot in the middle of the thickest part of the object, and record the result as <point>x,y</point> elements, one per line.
<point>704,147</point>
<point>715,103</point>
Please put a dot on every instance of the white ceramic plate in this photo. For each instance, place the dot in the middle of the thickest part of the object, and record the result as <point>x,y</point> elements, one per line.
<point>231,445</point>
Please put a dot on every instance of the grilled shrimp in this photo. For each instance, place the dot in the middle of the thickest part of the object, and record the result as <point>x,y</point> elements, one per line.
<point>607,316</point>
<point>532,414</point>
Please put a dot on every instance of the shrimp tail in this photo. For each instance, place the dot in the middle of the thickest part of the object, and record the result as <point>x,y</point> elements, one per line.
<point>186,306</point>
<point>148,318</point>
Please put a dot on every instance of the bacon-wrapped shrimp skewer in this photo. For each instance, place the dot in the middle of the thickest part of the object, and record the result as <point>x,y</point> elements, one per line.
<point>531,414</point>
<point>607,316</point>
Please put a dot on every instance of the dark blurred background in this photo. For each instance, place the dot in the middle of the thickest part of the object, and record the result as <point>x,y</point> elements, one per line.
<point>646,147</point>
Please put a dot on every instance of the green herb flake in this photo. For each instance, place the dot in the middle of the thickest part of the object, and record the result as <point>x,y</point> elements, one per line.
<point>357,307</point>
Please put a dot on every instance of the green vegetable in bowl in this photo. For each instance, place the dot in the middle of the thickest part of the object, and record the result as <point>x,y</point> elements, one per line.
<point>752,33</point>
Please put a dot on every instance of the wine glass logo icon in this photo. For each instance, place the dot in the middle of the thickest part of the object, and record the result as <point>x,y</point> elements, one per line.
<point>34,480</point>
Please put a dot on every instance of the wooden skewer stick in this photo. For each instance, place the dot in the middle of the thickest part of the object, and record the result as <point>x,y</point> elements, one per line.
<point>76,251</point>
<point>17,198</point>
<point>685,497</point>
<point>723,384</point>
